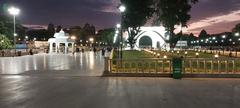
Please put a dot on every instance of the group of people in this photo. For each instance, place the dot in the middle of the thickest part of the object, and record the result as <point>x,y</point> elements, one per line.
<point>103,50</point>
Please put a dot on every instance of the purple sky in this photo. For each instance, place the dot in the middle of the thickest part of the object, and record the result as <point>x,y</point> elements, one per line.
<point>212,15</point>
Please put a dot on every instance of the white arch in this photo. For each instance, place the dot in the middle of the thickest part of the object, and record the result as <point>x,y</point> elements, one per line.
<point>157,34</point>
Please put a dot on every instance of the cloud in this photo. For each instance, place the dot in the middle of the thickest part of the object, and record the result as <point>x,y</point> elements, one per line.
<point>110,6</point>
<point>31,26</point>
<point>233,16</point>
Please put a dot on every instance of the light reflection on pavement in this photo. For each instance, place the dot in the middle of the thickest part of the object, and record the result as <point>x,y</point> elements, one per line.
<point>80,64</point>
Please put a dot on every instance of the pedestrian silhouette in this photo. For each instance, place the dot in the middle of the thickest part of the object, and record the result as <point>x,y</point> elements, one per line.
<point>103,52</point>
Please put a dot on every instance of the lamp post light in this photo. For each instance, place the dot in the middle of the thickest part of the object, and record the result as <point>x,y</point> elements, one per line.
<point>178,52</point>
<point>73,38</point>
<point>197,54</point>
<point>14,11</point>
<point>122,9</point>
<point>164,56</point>
<point>34,39</point>
<point>158,55</point>
<point>223,36</point>
<point>214,38</point>
<point>26,37</point>
<point>118,26</point>
<point>91,40</point>
<point>237,34</point>
<point>185,53</point>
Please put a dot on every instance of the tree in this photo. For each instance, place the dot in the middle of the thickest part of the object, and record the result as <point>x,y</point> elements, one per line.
<point>38,34</point>
<point>6,27</point>
<point>59,28</point>
<point>78,32</point>
<point>203,34</point>
<point>173,12</point>
<point>236,28</point>
<point>50,30</point>
<point>107,35</point>
<point>5,43</point>
<point>136,15</point>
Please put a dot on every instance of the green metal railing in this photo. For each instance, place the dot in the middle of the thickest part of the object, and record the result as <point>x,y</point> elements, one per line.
<point>164,66</point>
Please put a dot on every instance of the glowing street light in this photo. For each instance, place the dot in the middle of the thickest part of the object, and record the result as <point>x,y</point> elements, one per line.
<point>237,34</point>
<point>158,55</point>
<point>197,54</point>
<point>122,8</point>
<point>165,56</point>
<point>91,40</point>
<point>14,11</point>
<point>26,37</point>
<point>216,56</point>
<point>118,26</point>
<point>214,38</point>
<point>73,37</point>
<point>223,36</point>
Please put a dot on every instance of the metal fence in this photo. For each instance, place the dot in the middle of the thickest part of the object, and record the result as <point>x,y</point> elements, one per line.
<point>192,66</point>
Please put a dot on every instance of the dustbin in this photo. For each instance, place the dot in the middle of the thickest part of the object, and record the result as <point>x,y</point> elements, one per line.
<point>177,68</point>
<point>19,53</point>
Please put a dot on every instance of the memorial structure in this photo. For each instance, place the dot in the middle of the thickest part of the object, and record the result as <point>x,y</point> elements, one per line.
<point>60,38</point>
<point>151,37</point>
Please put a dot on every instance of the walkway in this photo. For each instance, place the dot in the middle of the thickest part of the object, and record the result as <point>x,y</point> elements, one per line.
<point>66,81</point>
<point>80,64</point>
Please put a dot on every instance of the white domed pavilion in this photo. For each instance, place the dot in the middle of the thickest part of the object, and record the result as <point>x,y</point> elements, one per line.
<point>60,38</point>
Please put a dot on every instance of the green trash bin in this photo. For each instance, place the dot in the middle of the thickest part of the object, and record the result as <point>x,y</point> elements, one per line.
<point>177,68</point>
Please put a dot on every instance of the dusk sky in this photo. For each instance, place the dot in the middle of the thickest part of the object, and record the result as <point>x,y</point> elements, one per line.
<point>214,16</point>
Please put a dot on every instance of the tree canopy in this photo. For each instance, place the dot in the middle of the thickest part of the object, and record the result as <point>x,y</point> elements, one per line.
<point>236,28</point>
<point>203,34</point>
<point>5,43</point>
<point>173,12</point>
<point>136,15</point>
<point>107,35</point>
<point>6,27</point>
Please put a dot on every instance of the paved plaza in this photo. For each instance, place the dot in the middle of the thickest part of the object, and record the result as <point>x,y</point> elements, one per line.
<point>74,81</point>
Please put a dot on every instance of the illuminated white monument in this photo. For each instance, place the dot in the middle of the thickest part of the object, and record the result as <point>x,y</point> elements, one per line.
<point>158,36</point>
<point>59,38</point>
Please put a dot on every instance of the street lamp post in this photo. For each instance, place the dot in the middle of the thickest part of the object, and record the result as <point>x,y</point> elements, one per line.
<point>116,36</point>
<point>14,11</point>
<point>122,9</point>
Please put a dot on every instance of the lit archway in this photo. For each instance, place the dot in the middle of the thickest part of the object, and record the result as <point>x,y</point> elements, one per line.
<point>145,42</point>
<point>156,34</point>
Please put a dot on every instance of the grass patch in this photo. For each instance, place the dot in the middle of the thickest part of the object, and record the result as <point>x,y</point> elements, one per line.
<point>134,54</point>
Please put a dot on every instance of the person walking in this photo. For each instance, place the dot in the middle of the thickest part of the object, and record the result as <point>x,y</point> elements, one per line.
<point>94,50</point>
<point>103,52</point>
